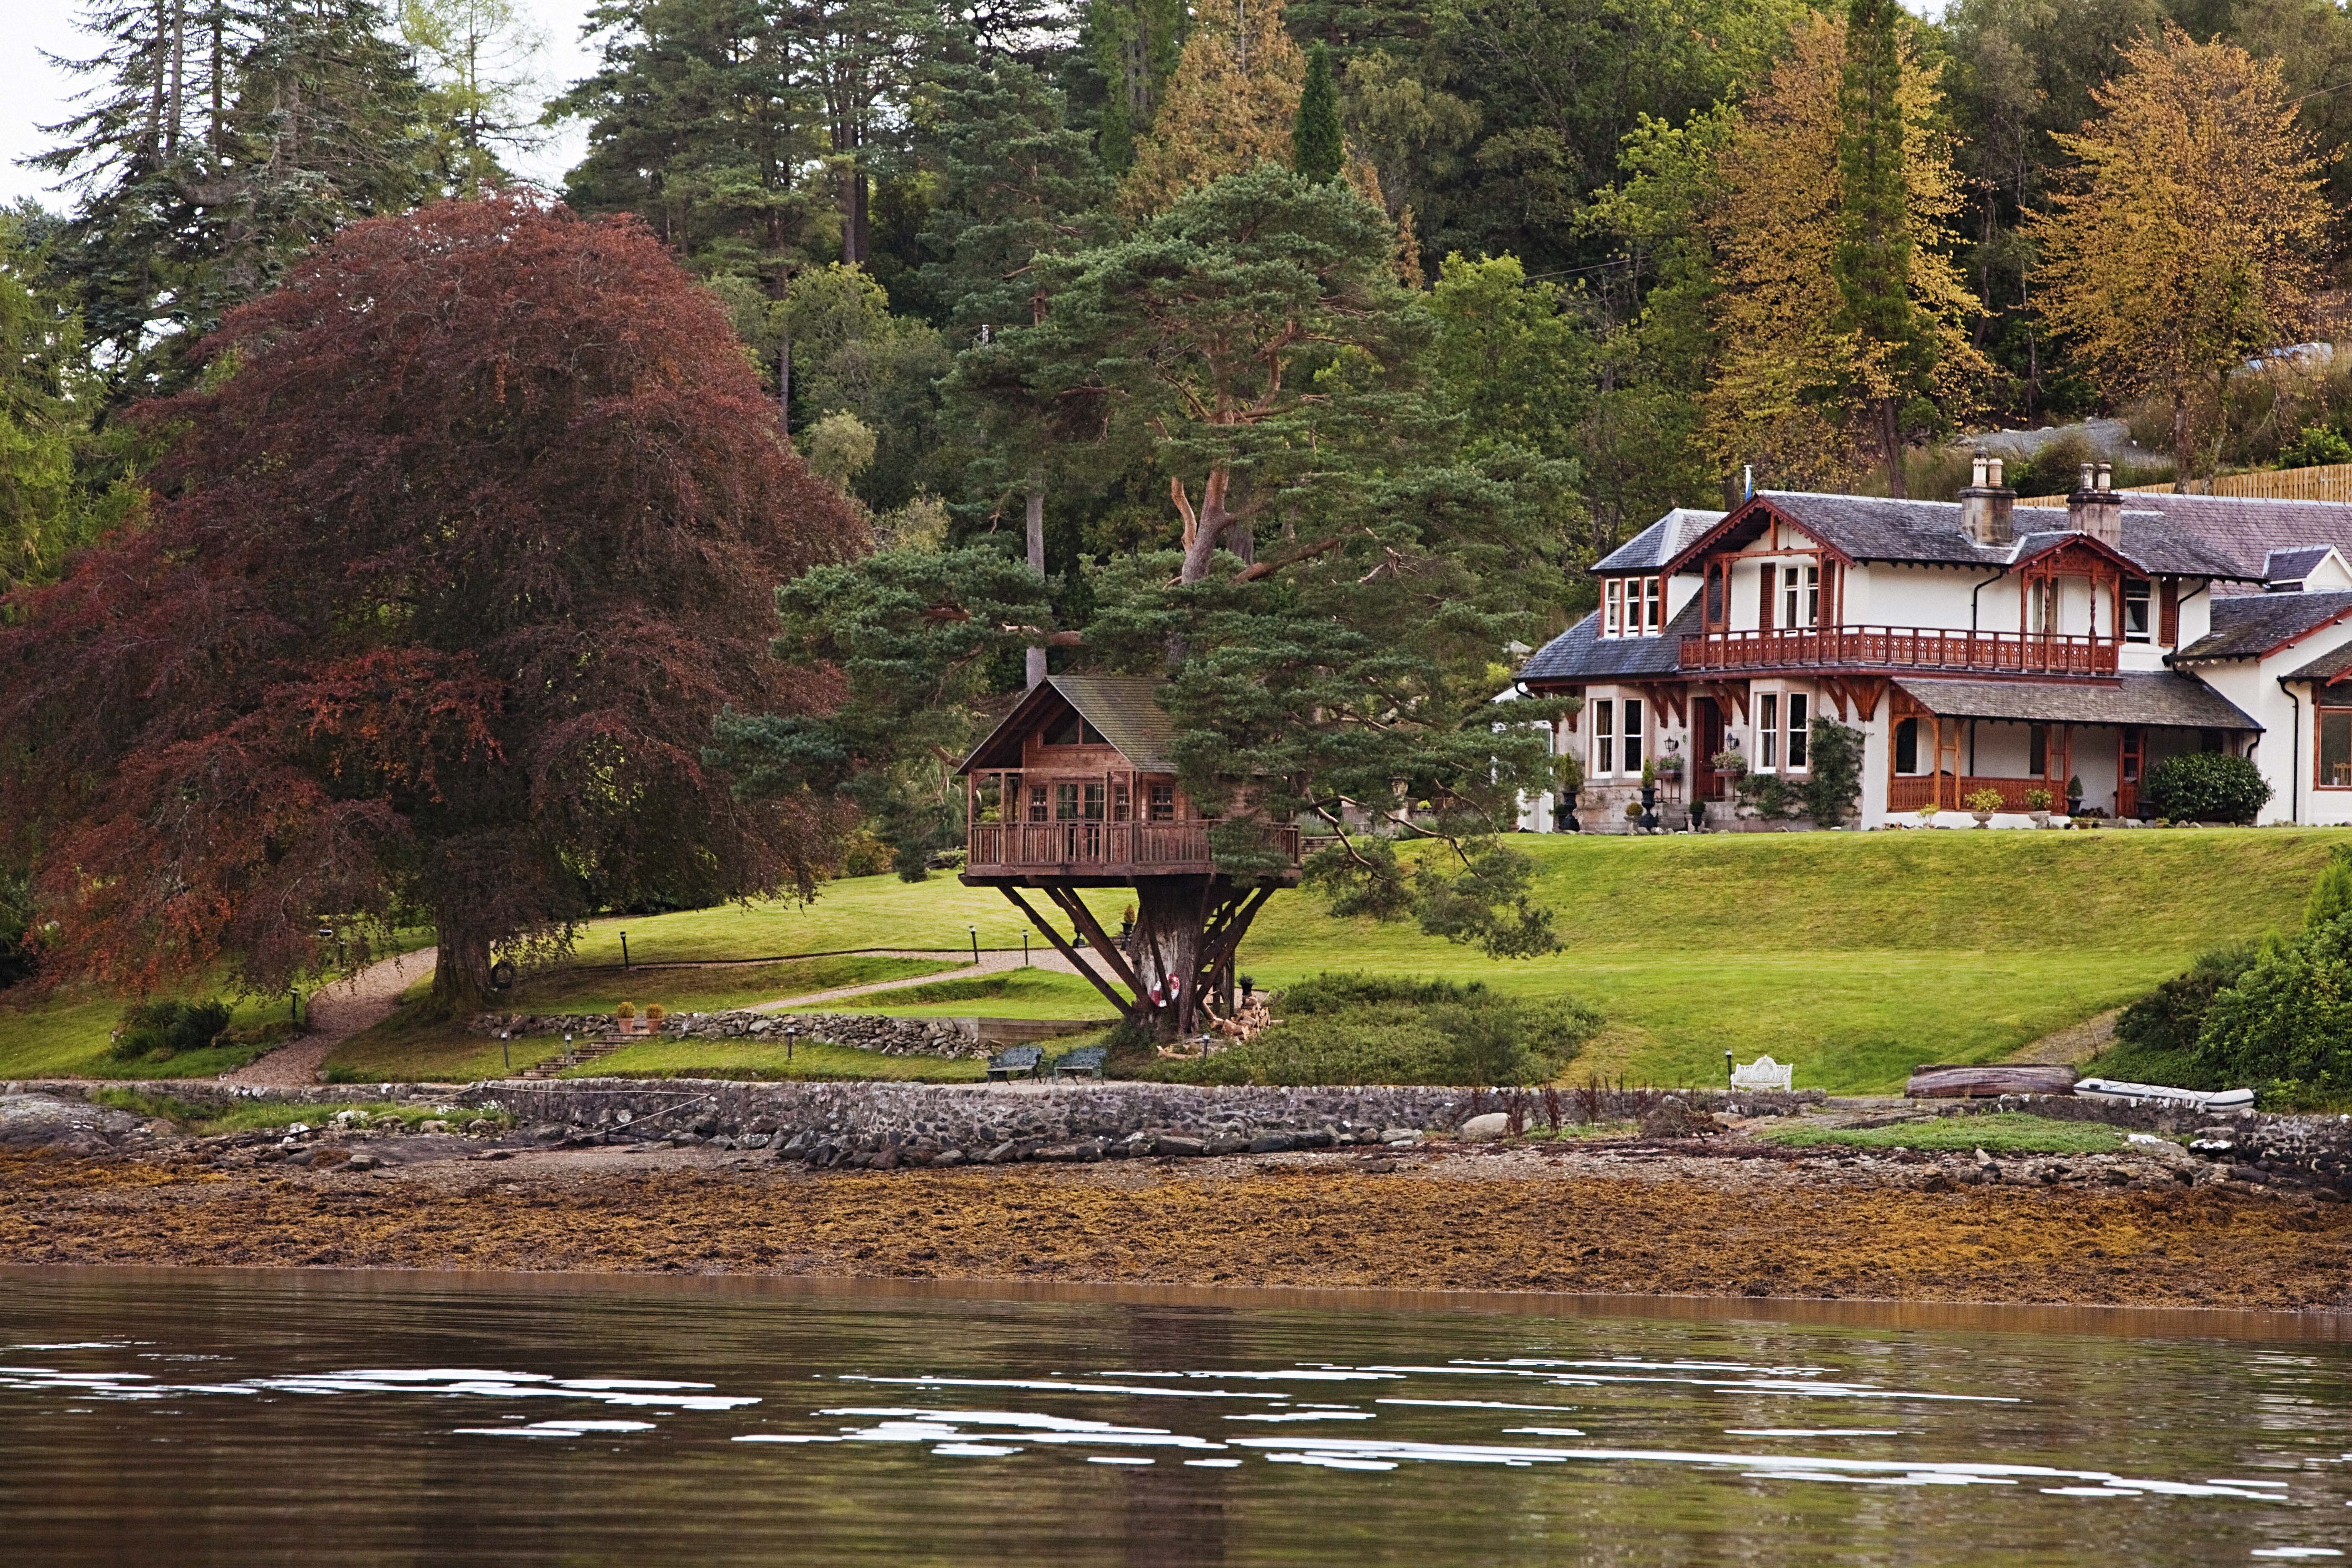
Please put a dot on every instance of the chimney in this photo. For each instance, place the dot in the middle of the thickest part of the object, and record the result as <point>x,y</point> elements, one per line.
<point>2096,508</point>
<point>1986,504</point>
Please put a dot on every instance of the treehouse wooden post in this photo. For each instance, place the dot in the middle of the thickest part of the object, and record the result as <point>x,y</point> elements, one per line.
<point>1085,795</point>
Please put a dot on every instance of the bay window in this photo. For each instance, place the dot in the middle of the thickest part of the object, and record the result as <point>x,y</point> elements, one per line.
<point>1632,734</point>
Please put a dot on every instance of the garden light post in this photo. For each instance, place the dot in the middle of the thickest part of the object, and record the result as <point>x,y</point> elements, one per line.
<point>504,1054</point>
<point>624,950</point>
<point>1726,1070</point>
<point>975,945</point>
<point>792,1035</point>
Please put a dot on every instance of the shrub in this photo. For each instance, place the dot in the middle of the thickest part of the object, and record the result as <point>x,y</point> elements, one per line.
<point>2157,1035</point>
<point>1357,1029</point>
<point>2037,800</point>
<point>156,1031</point>
<point>2205,786</point>
<point>2317,446</point>
<point>1835,782</point>
<point>625,1011</point>
<point>654,1016</point>
<point>1984,800</point>
<point>2331,895</point>
<point>16,919</point>
<point>2286,1022</point>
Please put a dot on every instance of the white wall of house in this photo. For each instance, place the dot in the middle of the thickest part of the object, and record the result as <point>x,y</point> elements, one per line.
<point>2287,751</point>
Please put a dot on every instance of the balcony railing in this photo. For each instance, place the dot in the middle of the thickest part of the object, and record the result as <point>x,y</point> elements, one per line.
<point>1146,848</point>
<point>1909,792</point>
<point>1901,648</point>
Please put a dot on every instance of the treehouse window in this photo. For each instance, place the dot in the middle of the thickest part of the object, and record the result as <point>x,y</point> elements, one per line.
<point>1037,803</point>
<point>1121,803</point>
<point>1070,729</point>
<point>1093,805</point>
<point>1161,801</point>
<point>1066,802</point>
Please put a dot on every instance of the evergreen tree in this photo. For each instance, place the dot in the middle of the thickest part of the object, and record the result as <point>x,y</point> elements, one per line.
<point>1127,50</point>
<point>1873,253</point>
<point>40,419</point>
<point>1315,147</point>
<point>475,57</point>
<point>1230,104</point>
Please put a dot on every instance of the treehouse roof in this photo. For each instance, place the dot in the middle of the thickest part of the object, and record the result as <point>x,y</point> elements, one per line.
<point>1121,707</point>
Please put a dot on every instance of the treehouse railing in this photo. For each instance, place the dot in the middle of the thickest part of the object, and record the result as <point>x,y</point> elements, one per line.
<point>1901,648</point>
<point>1143,846</point>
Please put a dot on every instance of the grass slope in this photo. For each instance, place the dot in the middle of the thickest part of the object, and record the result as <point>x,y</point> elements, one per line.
<point>1020,993</point>
<point>2004,1132</point>
<point>811,1061</point>
<point>69,1037</point>
<point>691,989</point>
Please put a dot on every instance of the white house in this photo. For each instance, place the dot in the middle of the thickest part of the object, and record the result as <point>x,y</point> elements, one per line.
<point>1976,645</point>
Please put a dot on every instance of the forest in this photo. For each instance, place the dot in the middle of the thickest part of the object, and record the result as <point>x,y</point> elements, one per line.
<point>1296,353</point>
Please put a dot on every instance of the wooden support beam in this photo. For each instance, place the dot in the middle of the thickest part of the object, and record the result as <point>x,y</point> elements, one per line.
<point>1126,1008</point>
<point>1083,917</point>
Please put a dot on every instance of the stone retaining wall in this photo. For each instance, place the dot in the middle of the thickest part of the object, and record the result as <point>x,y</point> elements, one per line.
<point>947,1038</point>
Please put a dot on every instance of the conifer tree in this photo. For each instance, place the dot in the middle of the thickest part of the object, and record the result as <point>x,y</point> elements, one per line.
<point>1873,253</point>
<point>1230,104</point>
<point>1317,149</point>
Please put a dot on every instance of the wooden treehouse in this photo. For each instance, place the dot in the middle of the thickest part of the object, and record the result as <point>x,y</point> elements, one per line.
<point>1077,789</point>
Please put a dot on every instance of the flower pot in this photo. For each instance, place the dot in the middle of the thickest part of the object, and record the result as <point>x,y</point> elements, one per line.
<point>1648,819</point>
<point>1698,815</point>
<point>1984,818</point>
<point>2041,818</point>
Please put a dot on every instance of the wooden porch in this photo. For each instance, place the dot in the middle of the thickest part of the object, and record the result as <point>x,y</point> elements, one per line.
<point>1901,648</point>
<point>1110,851</point>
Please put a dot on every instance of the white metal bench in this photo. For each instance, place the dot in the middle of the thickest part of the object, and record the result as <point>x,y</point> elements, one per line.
<point>1763,1073</point>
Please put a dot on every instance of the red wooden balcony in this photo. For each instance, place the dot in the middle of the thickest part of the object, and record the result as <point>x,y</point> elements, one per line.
<point>1901,648</point>
<point>1106,849</point>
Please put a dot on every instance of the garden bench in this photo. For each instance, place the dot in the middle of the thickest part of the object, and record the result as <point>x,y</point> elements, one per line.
<point>1014,1060</point>
<point>1763,1073</point>
<point>1085,1059</point>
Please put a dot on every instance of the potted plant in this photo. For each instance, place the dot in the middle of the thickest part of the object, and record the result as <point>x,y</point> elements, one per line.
<point>1731,763</point>
<point>1928,814</point>
<point>2037,806</point>
<point>656,1015</point>
<point>1669,766</point>
<point>1568,774</point>
<point>1982,803</point>
<point>624,1017</point>
<point>1649,813</point>
<point>1698,815</point>
<point>2075,796</point>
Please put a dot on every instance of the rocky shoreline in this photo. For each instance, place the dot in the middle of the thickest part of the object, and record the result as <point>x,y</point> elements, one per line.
<point>1643,1207</point>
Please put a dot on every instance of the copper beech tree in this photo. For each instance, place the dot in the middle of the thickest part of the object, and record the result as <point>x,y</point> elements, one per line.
<point>466,540</point>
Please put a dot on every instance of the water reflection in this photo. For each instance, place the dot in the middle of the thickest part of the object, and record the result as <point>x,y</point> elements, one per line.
<point>216,1417</point>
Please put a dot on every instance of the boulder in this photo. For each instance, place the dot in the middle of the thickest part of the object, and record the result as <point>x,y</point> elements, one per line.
<point>1485,1129</point>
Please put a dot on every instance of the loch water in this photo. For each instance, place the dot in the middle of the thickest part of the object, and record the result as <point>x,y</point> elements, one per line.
<point>198,1416</point>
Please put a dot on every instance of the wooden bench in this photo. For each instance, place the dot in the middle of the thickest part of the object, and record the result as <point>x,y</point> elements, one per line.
<point>1085,1059</point>
<point>1012,1059</point>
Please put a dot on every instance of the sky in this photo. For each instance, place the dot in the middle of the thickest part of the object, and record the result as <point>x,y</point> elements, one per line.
<point>34,92</point>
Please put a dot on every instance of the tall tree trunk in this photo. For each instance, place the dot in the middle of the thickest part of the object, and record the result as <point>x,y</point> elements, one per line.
<point>1168,930</point>
<point>1036,522</point>
<point>461,966</point>
<point>1890,437</point>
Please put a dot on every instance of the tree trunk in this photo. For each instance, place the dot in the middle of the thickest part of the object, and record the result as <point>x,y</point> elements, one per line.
<point>461,968</point>
<point>1187,930</point>
<point>1036,528</point>
<point>1890,436</point>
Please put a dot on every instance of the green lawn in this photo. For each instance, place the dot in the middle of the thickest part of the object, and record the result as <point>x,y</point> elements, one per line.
<point>69,1039</point>
<point>1854,957</point>
<point>689,990</point>
<point>1021,993</point>
<point>255,1116</point>
<point>2004,1133</point>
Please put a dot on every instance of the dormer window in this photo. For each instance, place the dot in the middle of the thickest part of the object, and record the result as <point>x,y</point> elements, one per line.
<point>1632,606</point>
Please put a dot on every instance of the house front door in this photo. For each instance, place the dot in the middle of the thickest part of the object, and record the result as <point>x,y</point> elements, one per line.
<point>1706,739</point>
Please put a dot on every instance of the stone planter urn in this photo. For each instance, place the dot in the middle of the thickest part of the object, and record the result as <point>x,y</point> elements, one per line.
<point>1984,818</point>
<point>1648,819</point>
<point>2041,818</point>
<point>1698,815</point>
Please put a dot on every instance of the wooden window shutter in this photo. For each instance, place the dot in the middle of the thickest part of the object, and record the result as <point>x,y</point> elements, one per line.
<point>1764,599</point>
<point>2167,621</point>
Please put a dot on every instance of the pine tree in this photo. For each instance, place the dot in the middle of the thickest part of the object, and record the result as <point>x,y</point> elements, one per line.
<point>1129,49</point>
<point>40,361</point>
<point>1317,148</point>
<point>475,57</point>
<point>1230,104</point>
<point>1873,253</point>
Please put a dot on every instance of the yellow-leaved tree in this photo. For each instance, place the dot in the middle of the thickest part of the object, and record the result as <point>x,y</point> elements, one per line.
<point>1797,386</point>
<point>2192,238</point>
<point>1229,104</point>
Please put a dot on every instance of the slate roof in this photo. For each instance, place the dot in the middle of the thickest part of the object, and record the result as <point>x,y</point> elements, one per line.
<point>1582,654</point>
<point>1658,543</point>
<point>2250,529</point>
<point>2293,565</point>
<point>1120,706</point>
<point>1873,528</point>
<point>2248,626</point>
<point>2176,700</point>
<point>2327,667</point>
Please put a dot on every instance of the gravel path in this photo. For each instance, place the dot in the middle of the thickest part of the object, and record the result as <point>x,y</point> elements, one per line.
<point>994,961</point>
<point>337,1013</point>
<point>2073,1046</point>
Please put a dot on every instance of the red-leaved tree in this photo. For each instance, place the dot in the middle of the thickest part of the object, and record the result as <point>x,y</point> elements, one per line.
<point>469,536</point>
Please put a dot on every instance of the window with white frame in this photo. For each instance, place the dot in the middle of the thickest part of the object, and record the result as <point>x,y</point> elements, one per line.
<point>1767,729</point>
<point>1612,613</point>
<point>1801,595</point>
<point>1604,736</point>
<point>1797,723</point>
<point>1654,601</point>
<point>2138,627</point>
<point>1632,734</point>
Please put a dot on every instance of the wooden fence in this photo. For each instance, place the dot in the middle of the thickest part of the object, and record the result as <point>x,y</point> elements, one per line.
<point>2329,481</point>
